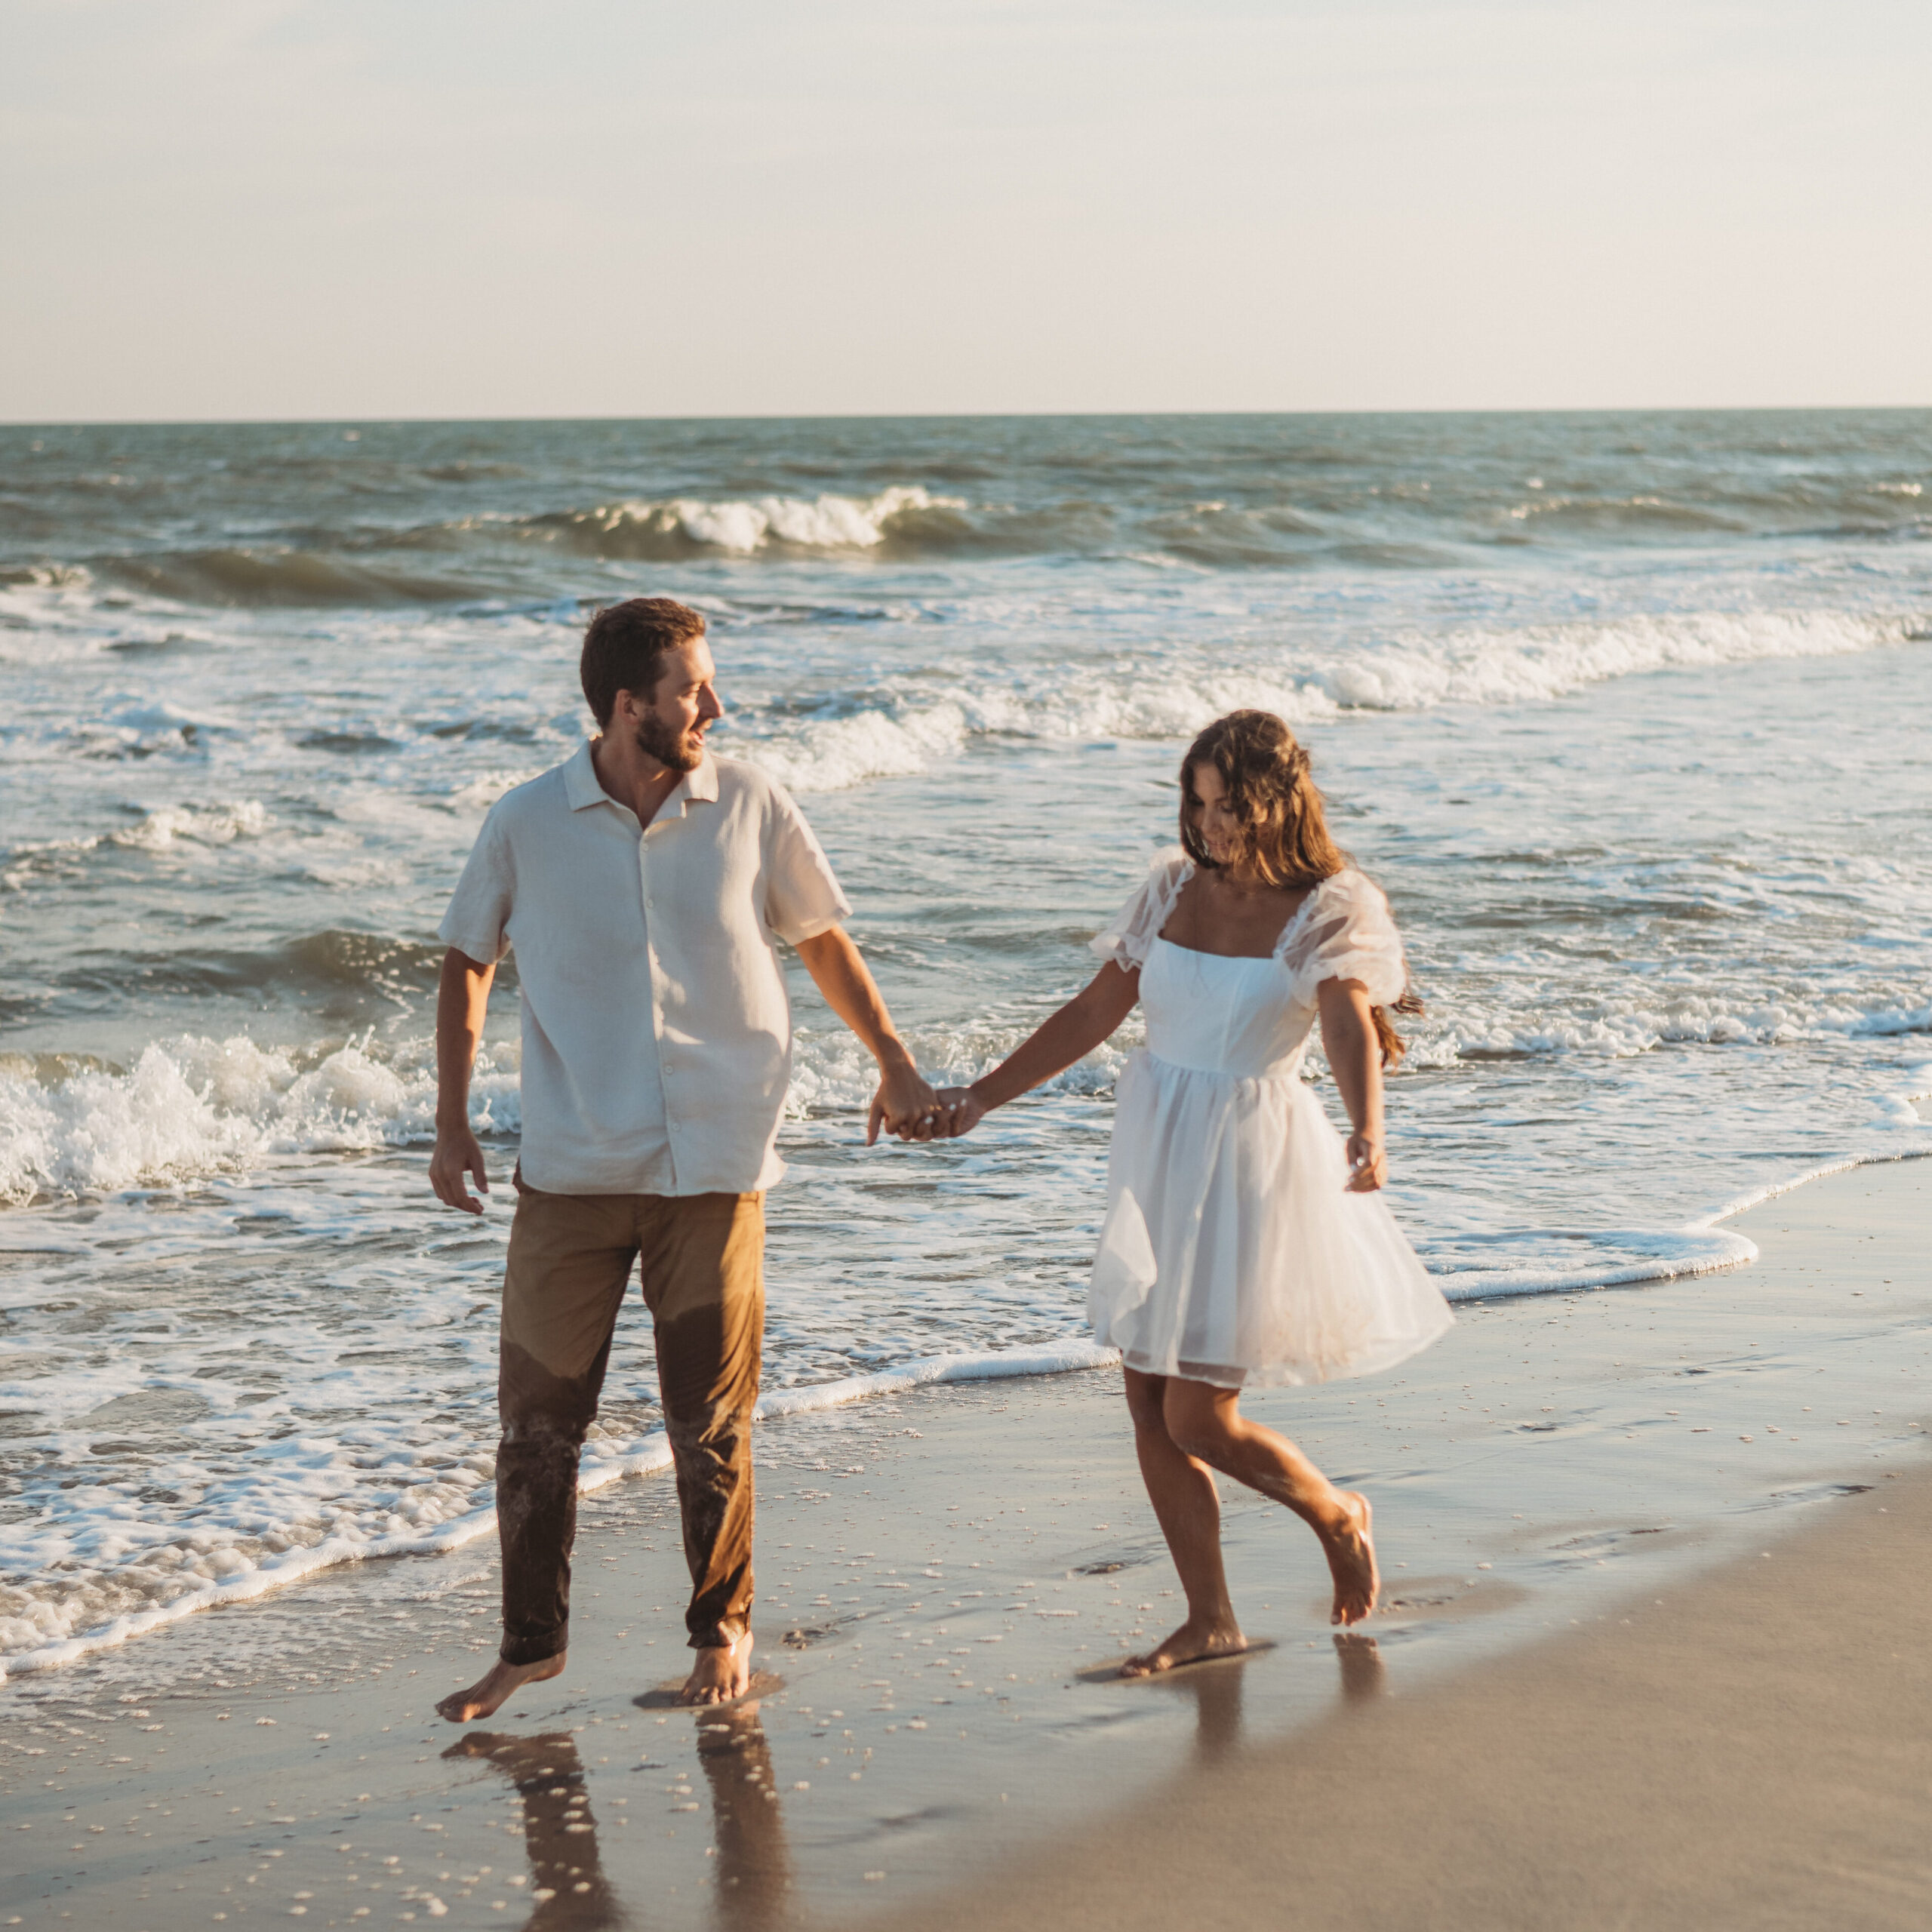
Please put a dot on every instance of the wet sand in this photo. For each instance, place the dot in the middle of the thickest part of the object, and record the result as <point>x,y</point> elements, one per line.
<point>1753,1752</point>
<point>946,1577</point>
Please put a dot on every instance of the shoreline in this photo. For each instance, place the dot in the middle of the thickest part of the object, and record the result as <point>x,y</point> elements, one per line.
<point>651,1454</point>
<point>942,1575</point>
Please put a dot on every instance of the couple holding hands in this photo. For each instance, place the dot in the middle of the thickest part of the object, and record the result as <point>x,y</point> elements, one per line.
<point>643,884</point>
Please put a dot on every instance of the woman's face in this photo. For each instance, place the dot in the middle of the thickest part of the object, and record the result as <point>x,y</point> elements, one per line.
<point>1215,825</point>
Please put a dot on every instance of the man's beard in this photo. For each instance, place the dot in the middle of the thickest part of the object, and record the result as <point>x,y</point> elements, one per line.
<point>678,751</point>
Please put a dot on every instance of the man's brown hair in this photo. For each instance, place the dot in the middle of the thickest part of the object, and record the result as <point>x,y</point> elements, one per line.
<point>624,646</point>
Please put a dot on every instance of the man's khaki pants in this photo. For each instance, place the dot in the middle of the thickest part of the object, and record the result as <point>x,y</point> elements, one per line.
<point>703,1268</point>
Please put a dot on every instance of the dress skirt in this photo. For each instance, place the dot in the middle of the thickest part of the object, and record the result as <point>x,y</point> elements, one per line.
<point>1232,1252</point>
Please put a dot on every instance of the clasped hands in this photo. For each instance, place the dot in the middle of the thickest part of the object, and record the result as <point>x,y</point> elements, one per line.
<point>906,1105</point>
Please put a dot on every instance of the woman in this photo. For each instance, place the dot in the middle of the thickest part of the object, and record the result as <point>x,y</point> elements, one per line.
<point>1241,1249</point>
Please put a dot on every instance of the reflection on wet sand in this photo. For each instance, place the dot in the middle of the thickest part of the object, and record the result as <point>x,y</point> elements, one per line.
<point>1216,1688</point>
<point>754,1862</point>
<point>568,1889</point>
<point>569,1892</point>
<point>751,1879</point>
<point>1363,1673</point>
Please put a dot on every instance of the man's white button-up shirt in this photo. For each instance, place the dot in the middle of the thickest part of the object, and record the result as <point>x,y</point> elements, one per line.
<point>656,1034</point>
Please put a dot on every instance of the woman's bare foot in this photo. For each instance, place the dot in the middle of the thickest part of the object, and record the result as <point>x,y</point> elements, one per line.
<point>496,1685</point>
<point>720,1675</point>
<point>1351,1553</point>
<point>1188,1644</point>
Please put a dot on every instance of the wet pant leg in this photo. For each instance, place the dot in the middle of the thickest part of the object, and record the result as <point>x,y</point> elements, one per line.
<point>704,1274</point>
<point>570,1261</point>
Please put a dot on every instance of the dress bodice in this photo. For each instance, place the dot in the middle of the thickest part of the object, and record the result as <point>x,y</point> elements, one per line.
<point>1246,1017</point>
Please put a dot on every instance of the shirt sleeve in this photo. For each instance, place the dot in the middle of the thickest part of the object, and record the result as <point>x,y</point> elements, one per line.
<point>478,917</point>
<point>801,894</point>
<point>1349,935</point>
<point>1126,937</point>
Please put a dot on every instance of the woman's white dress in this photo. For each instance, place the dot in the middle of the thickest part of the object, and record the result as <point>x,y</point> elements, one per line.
<point>1232,1252</point>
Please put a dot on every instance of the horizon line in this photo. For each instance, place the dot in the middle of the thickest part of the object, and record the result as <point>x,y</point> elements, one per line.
<point>386,421</point>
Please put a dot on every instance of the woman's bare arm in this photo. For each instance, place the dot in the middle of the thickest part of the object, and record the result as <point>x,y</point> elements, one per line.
<point>1069,1034</point>
<point>1355,1057</point>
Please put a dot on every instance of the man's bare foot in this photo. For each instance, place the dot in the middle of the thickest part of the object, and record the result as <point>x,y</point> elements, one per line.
<point>1188,1644</point>
<point>495,1686</point>
<point>720,1675</point>
<point>1351,1553</point>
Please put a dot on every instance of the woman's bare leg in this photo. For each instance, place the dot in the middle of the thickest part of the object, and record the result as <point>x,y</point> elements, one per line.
<point>1188,1509</point>
<point>1207,1424</point>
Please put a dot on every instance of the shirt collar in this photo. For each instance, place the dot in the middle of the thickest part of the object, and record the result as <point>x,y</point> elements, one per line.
<point>582,787</point>
<point>703,783</point>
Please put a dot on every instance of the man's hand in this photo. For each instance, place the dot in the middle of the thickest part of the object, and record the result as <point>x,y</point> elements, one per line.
<point>905,1104</point>
<point>456,1154</point>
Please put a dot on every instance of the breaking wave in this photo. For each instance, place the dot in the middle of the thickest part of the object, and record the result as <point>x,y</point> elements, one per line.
<point>160,830</point>
<point>1480,665</point>
<point>190,1106</point>
<point>516,554</point>
<point>687,527</point>
<point>255,579</point>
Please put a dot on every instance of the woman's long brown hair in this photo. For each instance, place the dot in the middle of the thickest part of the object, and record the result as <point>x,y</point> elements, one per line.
<point>1286,831</point>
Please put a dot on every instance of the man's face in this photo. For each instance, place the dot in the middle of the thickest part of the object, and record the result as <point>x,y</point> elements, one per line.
<point>669,724</point>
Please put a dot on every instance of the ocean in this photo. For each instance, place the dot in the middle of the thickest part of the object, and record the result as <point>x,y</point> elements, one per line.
<point>1628,713</point>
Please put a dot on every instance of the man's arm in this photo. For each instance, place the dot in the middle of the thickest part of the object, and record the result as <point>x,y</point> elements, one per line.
<point>904,1103</point>
<point>462,995</point>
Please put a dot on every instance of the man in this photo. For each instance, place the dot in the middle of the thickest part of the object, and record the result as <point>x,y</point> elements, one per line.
<point>643,884</point>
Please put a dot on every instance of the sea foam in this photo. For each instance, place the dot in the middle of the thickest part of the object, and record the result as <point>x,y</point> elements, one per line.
<point>124,1579</point>
<point>190,1106</point>
<point>642,528</point>
<point>1477,665</point>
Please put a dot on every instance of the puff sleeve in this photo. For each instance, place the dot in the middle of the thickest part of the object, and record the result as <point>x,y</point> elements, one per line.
<point>1131,931</point>
<point>1347,934</point>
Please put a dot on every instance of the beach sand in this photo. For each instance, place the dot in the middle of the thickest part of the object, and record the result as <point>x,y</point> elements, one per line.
<point>1591,1700</point>
<point>1753,1750</point>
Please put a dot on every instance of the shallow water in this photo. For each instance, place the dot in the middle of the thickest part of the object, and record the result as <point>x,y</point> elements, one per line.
<point>1626,713</point>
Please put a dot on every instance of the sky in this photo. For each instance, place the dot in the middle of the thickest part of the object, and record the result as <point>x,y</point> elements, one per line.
<point>368,209</point>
